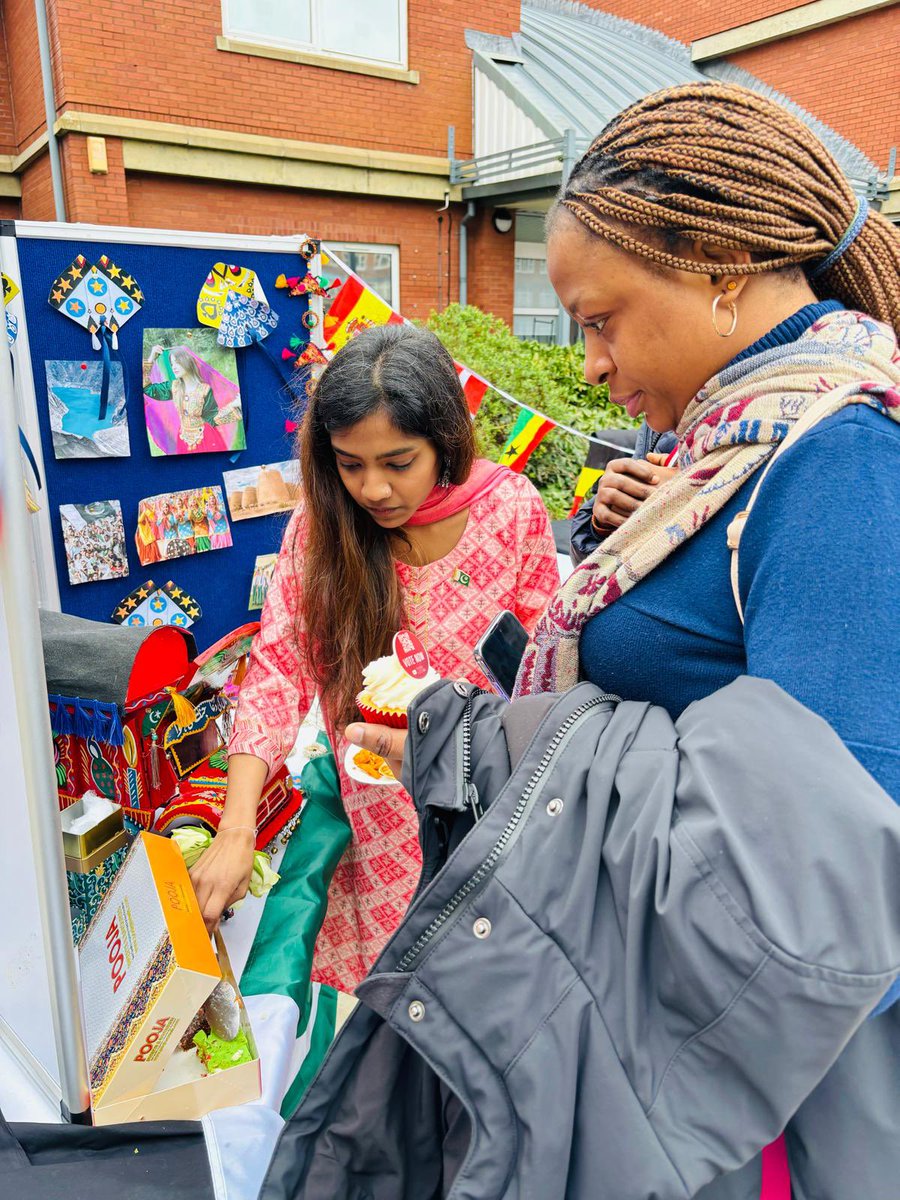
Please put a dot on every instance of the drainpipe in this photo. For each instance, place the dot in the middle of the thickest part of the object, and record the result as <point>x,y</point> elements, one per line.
<point>464,253</point>
<point>563,320</point>
<point>59,199</point>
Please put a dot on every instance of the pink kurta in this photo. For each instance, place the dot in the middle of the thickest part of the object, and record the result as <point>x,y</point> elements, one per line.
<point>506,558</point>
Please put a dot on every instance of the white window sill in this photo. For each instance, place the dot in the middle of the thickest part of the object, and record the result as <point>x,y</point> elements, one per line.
<point>310,59</point>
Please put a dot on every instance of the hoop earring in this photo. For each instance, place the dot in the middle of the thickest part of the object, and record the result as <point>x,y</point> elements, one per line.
<point>715,316</point>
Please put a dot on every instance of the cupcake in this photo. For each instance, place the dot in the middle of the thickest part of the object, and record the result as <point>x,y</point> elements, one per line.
<point>388,690</point>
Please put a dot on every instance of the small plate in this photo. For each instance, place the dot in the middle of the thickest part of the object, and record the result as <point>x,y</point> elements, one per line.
<point>355,772</point>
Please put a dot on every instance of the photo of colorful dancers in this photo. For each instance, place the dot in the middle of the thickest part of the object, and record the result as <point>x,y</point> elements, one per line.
<point>180,523</point>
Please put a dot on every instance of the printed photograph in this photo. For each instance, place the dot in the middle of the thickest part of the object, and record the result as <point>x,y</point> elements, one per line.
<point>176,524</point>
<point>258,491</point>
<point>82,425</point>
<point>192,399</point>
<point>94,538</point>
<point>263,570</point>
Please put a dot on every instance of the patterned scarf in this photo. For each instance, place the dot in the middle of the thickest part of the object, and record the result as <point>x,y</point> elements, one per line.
<point>727,432</point>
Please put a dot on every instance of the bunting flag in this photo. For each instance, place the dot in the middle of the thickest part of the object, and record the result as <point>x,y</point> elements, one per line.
<point>586,480</point>
<point>473,386</point>
<point>353,309</point>
<point>527,434</point>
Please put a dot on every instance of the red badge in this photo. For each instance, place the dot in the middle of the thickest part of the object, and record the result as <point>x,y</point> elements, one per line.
<point>412,654</point>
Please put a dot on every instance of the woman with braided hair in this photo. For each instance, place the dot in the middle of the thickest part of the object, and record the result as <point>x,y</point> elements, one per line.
<point>733,288</point>
<point>728,280</point>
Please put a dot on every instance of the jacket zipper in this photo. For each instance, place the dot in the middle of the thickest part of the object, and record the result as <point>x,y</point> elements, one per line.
<point>509,829</point>
<point>472,798</point>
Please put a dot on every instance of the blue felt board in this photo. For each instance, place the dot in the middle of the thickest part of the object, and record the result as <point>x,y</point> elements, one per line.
<point>170,278</point>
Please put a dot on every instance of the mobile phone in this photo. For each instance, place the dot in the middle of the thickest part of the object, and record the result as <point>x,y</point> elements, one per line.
<point>500,649</point>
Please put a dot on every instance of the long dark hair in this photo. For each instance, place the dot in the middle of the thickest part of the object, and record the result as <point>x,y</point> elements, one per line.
<point>352,604</point>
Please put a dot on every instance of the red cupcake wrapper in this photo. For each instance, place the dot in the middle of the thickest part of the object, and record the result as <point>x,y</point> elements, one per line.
<point>378,716</point>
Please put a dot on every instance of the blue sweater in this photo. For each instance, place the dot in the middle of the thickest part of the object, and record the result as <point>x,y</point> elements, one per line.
<point>820,582</point>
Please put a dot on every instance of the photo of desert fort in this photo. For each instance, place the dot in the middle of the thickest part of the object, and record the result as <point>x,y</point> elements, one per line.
<point>259,491</point>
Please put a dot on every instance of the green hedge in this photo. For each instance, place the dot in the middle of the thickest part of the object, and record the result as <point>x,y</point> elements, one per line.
<point>547,378</point>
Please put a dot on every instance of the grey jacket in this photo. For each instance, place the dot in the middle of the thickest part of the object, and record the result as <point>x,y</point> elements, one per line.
<point>623,979</point>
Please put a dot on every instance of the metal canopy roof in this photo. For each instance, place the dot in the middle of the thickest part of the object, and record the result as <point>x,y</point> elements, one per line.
<point>572,68</point>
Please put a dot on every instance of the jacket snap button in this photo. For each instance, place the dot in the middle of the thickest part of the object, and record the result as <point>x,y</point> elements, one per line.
<point>555,807</point>
<point>482,928</point>
<point>416,1010</point>
<point>460,688</point>
<point>424,722</point>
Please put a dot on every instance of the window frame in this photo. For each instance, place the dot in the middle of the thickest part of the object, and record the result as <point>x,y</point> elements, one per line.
<point>314,48</point>
<point>390,248</point>
<point>537,252</point>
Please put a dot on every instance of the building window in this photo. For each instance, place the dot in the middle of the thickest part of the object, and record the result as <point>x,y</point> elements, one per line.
<point>535,306</point>
<point>377,266</point>
<point>372,31</point>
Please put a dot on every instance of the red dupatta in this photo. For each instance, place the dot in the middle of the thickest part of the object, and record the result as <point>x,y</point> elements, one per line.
<point>443,502</point>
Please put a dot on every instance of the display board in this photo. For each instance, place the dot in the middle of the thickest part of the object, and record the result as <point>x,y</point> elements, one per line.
<point>169,270</point>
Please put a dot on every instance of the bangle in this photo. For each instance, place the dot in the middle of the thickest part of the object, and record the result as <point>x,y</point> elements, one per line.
<point>249,828</point>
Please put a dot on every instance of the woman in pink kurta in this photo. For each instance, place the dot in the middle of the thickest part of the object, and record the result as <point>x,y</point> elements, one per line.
<point>450,541</point>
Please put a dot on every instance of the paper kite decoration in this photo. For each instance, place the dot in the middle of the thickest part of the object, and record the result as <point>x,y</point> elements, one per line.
<point>304,354</point>
<point>306,285</point>
<point>10,291</point>
<point>99,297</point>
<point>149,606</point>
<point>232,300</point>
<point>245,320</point>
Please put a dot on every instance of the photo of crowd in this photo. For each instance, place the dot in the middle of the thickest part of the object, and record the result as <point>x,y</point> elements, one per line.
<point>94,538</point>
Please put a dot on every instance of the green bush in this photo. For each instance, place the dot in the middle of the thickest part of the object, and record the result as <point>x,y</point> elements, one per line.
<point>549,379</point>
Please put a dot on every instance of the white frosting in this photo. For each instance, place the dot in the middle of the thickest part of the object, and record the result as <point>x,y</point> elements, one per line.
<point>387,685</point>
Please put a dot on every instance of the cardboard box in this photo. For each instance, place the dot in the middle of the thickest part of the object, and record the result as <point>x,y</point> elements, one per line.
<point>147,966</point>
<point>184,1092</point>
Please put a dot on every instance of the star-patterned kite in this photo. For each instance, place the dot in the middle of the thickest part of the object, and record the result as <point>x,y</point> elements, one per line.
<point>96,296</point>
<point>149,605</point>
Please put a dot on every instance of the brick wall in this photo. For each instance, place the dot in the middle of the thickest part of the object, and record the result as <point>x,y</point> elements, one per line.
<point>7,126</point>
<point>20,36</point>
<point>847,74</point>
<point>491,266</point>
<point>159,202</point>
<point>173,72</point>
<point>101,199</point>
<point>688,20</point>
<point>37,191</point>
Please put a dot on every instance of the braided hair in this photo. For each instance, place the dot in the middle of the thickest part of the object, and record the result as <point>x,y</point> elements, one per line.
<point>717,162</point>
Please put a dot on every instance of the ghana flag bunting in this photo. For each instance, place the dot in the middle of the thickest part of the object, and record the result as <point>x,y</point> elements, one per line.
<point>586,480</point>
<point>473,386</point>
<point>353,309</point>
<point>527,434</point>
